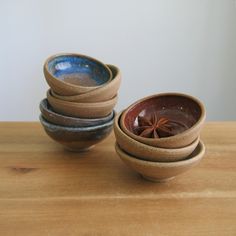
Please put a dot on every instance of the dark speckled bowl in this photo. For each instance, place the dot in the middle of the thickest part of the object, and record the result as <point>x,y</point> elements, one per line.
<point>186,113</point>
<point>77,138</point>
<point>72,74</point>
<point>58,119</point>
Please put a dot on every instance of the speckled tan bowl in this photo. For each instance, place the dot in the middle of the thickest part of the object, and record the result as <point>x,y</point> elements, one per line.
<point>82,110</point>
<point>102,93</point>
<point>182,106</point>
<point>67,73</point>
<point>149,153</point>
<point>161,171</point>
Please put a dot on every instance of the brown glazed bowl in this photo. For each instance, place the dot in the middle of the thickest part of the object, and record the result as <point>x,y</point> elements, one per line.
<point>58,119</point>
<point>82,110</point>
<point>71,74</point>
<point>77,138</point>
<point>181,109</point>
<point>103,93</point>
<point>149,153</point>
<point>161,171</point>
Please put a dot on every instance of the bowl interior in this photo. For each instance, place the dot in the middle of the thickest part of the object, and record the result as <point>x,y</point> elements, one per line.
<point>79,70</point>
<point>177,113</point>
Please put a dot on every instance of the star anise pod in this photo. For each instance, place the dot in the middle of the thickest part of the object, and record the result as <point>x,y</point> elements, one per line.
<point>155,127</point>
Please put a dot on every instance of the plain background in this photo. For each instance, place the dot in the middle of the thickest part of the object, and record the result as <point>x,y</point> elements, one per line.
<point>160,45</point>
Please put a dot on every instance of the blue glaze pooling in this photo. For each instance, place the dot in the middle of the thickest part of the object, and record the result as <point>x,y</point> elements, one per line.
<point>72,65</point>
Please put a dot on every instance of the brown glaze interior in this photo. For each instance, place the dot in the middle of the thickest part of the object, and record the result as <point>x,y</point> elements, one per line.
<point>173,107</point>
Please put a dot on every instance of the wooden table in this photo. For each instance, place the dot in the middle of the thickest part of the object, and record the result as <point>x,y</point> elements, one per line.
<point>45,190</point>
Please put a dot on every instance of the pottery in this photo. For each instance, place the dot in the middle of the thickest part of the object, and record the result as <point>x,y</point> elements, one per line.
<point>161,171</point>
<point>102,93</point>
<point>149,153</point>
<point>82,110</point>
<point>58,119</point>
<point>72,74</point>
<point>77,138</point>
<point>185,113</point>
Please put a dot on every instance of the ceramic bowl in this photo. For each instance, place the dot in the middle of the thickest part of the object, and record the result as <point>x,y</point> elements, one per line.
<point>161,171</point>
<point>72,74</point>
<point>77,138</point>
<point>149,153</point>
<point>185,115</point>
<point>82,110</point>
<point>103,93</point>
<point>58,119</point>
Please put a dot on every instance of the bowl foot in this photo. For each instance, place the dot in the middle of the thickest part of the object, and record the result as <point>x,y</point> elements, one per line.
<point>156,179</point>
<point>78,149</point>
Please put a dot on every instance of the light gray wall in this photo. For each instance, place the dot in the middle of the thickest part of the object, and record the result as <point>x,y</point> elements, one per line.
<point>160,45</point>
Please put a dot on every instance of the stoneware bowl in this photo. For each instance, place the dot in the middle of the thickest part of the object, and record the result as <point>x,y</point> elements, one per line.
<point>161,171</point>
<point>82,110</point>
<point>149,153</point>
<point>77,138</point>
<point>72,74</point>
<point>177,114</point>
<point>103,93</point>
<point>58,119</point>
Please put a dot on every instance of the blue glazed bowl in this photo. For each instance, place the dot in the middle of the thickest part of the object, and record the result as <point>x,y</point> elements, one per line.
<point>77,138</point>
<point>58,119</point>
<point>73,74</point>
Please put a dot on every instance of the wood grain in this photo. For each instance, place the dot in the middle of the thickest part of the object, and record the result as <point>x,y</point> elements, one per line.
<point>45,190</point>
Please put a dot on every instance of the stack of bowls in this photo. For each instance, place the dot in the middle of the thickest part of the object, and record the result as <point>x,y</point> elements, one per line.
<point>159,136</point>
<point>78,111</point>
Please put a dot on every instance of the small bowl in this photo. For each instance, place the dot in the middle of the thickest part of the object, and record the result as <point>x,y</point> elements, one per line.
<point>58,119</point>
<point>77,138</point>
<point>82,110</point>
<point>72,74</point>
<point>149,153</point>
<point>161,171</point>
<point>184,109</point>
<point>100,94</point>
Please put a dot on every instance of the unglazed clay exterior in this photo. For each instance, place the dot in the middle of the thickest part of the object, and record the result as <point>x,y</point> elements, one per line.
<point>149,153</point>
<point>79,138</point>
<point>161,171</point>
<point>102,93</point>
<point>82,110</point>
<point>73,74</point>
<point>59,119</point>
<point>181,106</point>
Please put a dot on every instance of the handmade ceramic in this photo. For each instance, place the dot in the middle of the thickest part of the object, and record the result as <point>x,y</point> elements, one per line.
<point>58,119</point>
<point>82,110</point>
<point>161,115</point>
<point>72,74</point>
<point>77,138</point>
<point>161,171</point>
<point>149,153</point>
<point>103,93</point>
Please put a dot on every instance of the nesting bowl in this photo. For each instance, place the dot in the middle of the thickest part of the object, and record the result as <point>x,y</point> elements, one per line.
<point>82,110</point>
<point>77,138</point>
<point>102,93</point>
<point>58,119</point>
<point>72,74</point>
<point>150,153</point>
<point>161,171</point>
<point>184,110</point>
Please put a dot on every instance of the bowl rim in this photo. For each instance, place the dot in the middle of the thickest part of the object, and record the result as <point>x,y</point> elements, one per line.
<point>164,139</point>
<point>95,91</point>
<point>81,104</point>
<point>117,126</point>
<point>44,103</point>
<point>52,126</point>
<point>50,58</point>
<point>193,159</point>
